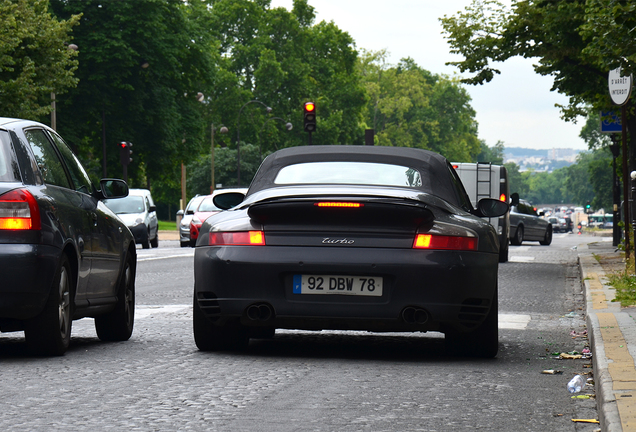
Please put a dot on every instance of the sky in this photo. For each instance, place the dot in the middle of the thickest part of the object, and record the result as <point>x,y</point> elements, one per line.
<point>516,107</point>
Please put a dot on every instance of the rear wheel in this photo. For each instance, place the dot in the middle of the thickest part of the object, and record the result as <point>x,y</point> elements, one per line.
<point>548,237</point>
<point>50,332</point>
<point>518,238</point>
<point>155,241</point>
<point>185,243</point>
<point>211,337</point>
<point>503,252</point>
<point>118,324</point>
<point>481,342</point>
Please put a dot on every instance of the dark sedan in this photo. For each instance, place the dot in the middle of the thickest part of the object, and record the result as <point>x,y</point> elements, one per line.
<point>525,223</point>
<point>349,237</point>
<point>63,254</point>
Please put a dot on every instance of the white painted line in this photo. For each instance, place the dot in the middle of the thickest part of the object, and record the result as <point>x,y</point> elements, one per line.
<point>518,258</point>
<point>514,321</point>
<point>142,312</point>
<point>157,257</point>
<point>519,248</point>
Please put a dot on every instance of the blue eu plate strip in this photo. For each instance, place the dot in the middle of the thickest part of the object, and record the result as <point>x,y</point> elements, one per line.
<point>297,284</point>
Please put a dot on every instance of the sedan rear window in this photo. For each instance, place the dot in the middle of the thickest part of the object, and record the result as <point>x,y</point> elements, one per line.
<point>9,171</point>
<point>362,173</point>
<point>129,205</point>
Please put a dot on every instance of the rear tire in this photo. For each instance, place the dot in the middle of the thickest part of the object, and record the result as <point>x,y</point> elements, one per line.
<point>503,252</point>
<point>482,342</point>
<point>548,238</point>
<point>211,337</point>
<point>155,241</point>
<point>49,334</point>
<point>185,243</point>
<point>118,324</point>
<point>518,238</point>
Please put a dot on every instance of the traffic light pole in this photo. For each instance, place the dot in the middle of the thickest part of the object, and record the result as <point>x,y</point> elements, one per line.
<point>310,138</point>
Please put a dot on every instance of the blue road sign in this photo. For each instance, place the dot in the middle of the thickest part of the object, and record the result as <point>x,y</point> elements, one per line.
<point>610,122</point>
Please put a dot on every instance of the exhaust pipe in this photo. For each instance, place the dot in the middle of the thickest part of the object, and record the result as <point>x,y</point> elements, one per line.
<point>414,315</point>
<point>259,312</point>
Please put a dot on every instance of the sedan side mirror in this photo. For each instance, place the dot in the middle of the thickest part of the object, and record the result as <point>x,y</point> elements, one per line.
<point>226,201</point>
<point>514,199</point>
<point>113,188</point>
<point>490,207</point>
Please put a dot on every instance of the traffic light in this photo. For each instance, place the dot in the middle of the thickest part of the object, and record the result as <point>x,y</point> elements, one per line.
<point>310,117</point>
<point>125,150</point>
<point>587,207</point>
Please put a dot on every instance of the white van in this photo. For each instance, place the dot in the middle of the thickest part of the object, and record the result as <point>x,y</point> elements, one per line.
<point>139,213</point>
<point>485,180</point>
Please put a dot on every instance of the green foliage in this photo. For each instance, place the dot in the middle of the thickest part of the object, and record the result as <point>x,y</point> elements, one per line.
<point>35,60</point>
<point>494,155</point>
<point>410,107</point>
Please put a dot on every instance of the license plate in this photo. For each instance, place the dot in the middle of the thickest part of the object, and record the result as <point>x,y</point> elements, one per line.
<point>345,285</point>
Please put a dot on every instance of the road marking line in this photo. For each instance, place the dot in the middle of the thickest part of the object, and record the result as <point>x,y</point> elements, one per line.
<point>155,257</point>
<point>519,258</point>
<point>146,311</point>
<point>514,321</point>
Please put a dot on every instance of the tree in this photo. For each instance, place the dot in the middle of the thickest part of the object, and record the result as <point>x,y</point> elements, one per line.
<point>494,154</point>
<point>142,64</point>
<point>410,107</point>
<point>35,60</point>
<point>577,42</point>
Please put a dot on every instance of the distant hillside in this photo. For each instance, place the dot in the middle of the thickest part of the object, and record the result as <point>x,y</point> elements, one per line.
<point>540,160</point>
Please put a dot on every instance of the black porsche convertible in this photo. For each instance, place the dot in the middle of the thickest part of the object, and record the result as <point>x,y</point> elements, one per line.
<point>382,239</point>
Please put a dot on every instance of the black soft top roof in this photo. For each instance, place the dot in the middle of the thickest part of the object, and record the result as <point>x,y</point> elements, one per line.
<point>435,170</point>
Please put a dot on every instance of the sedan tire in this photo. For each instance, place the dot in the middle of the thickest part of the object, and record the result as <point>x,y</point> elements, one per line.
<point>211,337</point>
<point>118,324</point>
<point>518,238</point>
<point>49,334</point>
<point>548,238</point>
<point>482,342</point>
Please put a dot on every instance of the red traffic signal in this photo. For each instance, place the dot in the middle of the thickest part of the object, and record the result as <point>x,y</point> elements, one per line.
<point>309,116</point>
<point>125,150</point>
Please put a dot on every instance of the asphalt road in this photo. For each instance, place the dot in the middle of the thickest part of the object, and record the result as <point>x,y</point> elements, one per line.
<point>311,381</point>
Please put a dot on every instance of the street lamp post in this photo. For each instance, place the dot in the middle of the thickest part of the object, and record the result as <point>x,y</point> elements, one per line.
<point>288,125</point>
<point>223,129</point>
<point>238,138</point>
<point>72,47</point>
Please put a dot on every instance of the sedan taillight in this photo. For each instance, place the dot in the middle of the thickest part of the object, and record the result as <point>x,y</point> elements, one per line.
<point>429,241</point>
<point>240,238</point>
<point>19,211</point>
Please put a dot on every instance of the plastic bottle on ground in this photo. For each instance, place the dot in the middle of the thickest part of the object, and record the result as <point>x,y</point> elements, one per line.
<point>576,384</point>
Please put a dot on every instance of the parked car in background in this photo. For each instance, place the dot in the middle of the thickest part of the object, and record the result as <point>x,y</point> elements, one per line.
<point>204,210</point>
<point>349,237</point>
<point>139,213</point>
<point>525,223</point>
<point>64,255</point>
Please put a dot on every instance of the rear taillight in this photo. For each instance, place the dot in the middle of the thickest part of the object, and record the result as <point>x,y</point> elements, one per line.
<point>429,241</point>
<point>242,238</point>
<point>19,211</point>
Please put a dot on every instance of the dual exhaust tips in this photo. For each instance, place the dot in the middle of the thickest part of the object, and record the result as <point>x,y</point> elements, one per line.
<point>260,312</point>
<point>414,315</point>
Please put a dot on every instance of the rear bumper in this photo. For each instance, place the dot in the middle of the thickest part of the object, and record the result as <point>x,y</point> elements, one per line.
<point>455,289</point>
<point>26,272</point>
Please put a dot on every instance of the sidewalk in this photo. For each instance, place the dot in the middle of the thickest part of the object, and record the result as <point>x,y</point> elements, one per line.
<point>168,235</point>
<point>612,334</point>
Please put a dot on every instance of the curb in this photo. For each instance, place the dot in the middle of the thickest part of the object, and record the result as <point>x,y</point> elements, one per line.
<point>598,296</point>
